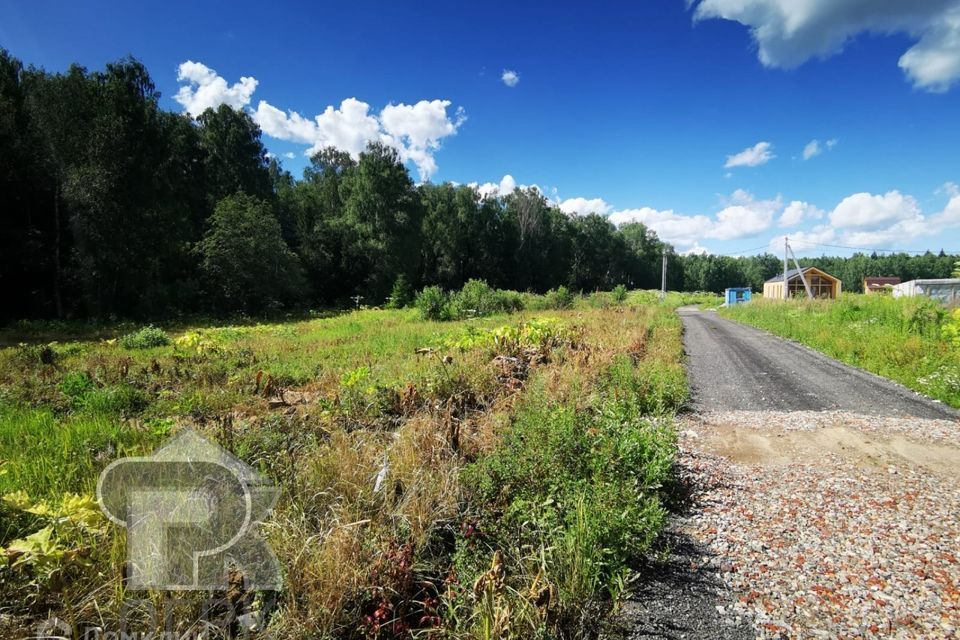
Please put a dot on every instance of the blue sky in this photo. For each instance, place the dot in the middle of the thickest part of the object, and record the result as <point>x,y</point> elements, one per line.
<point>629,108</point>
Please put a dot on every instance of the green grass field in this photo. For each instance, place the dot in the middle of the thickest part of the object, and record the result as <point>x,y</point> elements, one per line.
<point>902,339</point>
<point>505,444</point>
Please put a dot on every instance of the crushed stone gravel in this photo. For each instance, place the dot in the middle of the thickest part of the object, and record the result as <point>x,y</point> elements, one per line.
<point>826,546</point>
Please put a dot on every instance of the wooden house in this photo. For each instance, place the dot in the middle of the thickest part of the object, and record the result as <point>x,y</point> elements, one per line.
<point>822,284</point>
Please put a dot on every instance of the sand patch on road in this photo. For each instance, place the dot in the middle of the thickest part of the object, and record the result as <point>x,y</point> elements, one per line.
<point>771,438</point>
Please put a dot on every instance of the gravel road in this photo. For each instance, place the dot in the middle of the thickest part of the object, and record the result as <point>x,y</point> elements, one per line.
<point>735,367</point>
<point>822,501</point>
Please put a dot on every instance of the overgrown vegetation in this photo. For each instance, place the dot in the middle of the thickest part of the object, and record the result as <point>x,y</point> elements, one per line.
<point>909,340</point>
<point>486,478</point>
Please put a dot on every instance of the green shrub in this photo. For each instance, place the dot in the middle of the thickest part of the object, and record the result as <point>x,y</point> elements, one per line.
<point>559,298</point>
<point>434,304</point>
<point>477,298</point>
<point>619,293</point>
<point>145,338</point>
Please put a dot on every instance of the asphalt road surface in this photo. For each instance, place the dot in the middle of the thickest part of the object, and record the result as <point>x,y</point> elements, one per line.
<point>735,367</point>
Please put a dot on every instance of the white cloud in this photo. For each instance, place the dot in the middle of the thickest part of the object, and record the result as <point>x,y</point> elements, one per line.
<point>289,155</point>
<point>510,78</point>
<point>805,242</point>
<point>758,154</point>
<point>205,89</point>
<point>416,131</point>
<point>889,221</point>
<point>696,250</point>
<point>583,206</point>
<point>672,227</point>
<point>797,212</point>
<point>934,62</point>
<point>790,32</point>
<point>950,188</point>
<point>814,148</point>
<point>869,212</point>
<point>492,189</point>
<point>742,216</point>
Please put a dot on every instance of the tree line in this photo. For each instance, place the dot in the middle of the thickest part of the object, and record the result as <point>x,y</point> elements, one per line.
<point>113,206</point>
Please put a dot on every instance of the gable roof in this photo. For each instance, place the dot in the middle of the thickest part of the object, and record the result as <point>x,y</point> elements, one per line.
<point>793,273</point>
<point>872,281</point>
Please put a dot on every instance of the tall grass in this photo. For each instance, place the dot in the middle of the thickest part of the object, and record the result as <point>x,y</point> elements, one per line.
<point>898,338</point>
<point>494,477</point>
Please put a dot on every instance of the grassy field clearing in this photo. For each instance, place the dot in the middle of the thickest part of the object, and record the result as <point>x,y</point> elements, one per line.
<point>905,339</point>
<point>523,463</point>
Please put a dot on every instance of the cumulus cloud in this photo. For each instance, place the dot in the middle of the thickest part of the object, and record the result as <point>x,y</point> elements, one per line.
<point>869,212</point>
<point>583,206</point>
<point>696,250</point>
<point>742,216</point>
<point>505,187</point>
<point>797,212</point>
<point>790,32</point>
<point>672,227</point>
<point>934,62</point>
<point>416,131</point>
<point>510,78</point>
<point>888,221</point>
<point>805,241</point>
<point>758,154</point>
<point>205,89</point>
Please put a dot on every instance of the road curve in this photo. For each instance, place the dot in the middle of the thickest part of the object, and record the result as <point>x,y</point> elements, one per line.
<point>732,366</point>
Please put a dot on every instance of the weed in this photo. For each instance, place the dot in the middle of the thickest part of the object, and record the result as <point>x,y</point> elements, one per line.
<point>146,338</point>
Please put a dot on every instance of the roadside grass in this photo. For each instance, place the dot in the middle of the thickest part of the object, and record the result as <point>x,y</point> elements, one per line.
<point>487,478</point>
<point>899,338</point>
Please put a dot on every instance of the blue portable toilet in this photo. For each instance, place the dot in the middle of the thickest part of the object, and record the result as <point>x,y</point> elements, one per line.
<point>736,295</point>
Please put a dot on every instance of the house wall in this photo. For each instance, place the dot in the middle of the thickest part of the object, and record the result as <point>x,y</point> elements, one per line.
<point>775,289</point>
<point>946,291</point>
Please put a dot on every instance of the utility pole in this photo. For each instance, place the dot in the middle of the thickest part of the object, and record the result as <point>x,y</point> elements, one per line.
<point>663,276</point>
<point>786,247</point>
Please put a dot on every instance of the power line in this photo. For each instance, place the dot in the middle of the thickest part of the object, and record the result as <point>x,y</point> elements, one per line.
<point>868,249</point>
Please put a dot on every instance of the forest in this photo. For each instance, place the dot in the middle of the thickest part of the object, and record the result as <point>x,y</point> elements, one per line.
<point>116,208</point>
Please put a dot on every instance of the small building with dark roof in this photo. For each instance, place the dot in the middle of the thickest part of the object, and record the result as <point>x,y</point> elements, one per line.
<point>879,284</point>
<point>822,284</point>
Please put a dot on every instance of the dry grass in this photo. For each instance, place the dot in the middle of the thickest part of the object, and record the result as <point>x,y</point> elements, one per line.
<point>369,454</point>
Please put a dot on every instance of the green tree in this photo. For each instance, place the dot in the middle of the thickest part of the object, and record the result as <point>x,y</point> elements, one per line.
<point>381,221</point>
<point>245,264</point>
<point>234,157</point>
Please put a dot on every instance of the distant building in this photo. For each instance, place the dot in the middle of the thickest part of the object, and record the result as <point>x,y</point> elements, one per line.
<point>946,290</point>
<point>822,284</point>
<point>878,284</point>
<point>736,295</point>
